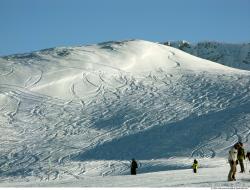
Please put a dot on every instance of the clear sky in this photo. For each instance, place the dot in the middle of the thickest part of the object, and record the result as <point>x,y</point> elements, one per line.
<point>28,25</point>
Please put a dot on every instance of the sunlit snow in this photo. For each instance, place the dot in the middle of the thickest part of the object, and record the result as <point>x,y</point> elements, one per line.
<point>75,116</point>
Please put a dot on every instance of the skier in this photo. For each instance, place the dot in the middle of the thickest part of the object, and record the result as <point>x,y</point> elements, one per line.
<point>133,167</point>
<point>248,157</point>
<point>195,166</point>
<point>232,159</point>
<point>241,157</point>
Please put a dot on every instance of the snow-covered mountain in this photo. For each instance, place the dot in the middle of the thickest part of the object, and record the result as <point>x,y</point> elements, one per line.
<point>87,110</point>
<point>233,55</point>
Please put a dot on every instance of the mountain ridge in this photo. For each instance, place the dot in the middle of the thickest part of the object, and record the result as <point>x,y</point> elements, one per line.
<point>235,55</point>
<point>231,54</point>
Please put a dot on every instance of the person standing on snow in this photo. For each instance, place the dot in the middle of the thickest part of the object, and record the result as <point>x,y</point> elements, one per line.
<point>248,157</point>
<point>195,166</point>
<point>232,159</point>
<point>133,167</point>
<point>241,157</point>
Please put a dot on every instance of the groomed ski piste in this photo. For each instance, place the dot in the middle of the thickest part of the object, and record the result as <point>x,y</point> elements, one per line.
<point>75,116</point>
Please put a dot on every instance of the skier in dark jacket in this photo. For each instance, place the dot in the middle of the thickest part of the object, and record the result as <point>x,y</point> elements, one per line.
<point>241,157</point>
<point>133,167</point>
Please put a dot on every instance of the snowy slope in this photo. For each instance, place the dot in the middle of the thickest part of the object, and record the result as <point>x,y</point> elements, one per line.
<point>233,55</point>
<point>212,175</point>
<point>86,111</point>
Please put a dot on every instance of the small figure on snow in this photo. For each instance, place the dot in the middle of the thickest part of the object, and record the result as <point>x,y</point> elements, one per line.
<point>248,157</point>
<point>133,167</point>
<point>241,157</point>
<point>195,166</point>
<point>232,159</point>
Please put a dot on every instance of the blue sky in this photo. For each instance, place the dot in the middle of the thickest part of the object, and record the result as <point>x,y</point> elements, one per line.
<point>28,25</point>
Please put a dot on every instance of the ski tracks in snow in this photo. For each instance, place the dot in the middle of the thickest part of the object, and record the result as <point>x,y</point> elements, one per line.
<point>54,130</point>
<point>34,79</point>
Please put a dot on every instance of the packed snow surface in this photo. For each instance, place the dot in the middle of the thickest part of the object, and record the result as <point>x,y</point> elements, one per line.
<point>211,175</point>
<point>84,112</point>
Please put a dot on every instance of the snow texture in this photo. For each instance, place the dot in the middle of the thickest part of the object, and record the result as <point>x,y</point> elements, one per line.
<point>233,55</point>
<point>73,115</point>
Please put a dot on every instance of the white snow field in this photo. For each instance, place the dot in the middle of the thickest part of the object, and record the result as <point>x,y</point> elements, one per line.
<point>233,55</point>
<point>75,116</point>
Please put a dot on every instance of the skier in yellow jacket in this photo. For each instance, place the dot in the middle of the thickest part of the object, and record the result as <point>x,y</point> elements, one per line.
<point>195,166</point>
